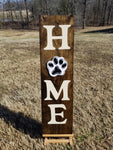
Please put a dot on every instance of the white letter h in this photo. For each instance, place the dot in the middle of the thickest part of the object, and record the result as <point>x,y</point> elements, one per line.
<point>63,37</point>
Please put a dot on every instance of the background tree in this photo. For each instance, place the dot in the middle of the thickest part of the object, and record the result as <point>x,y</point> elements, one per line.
<point>87,12</point>
<point>84,13</point>
<point>26,8</point>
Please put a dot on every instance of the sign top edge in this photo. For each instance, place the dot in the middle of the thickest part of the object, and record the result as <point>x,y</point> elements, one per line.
<point>56,15</point>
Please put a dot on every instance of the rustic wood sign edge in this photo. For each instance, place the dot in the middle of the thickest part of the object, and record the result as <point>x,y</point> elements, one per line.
<point>67,74</point>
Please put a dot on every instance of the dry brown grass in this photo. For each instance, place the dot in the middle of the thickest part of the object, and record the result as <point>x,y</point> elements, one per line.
<point>20,109</point>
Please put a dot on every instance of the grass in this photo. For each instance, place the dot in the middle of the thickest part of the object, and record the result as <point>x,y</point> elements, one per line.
<point>20,104</point>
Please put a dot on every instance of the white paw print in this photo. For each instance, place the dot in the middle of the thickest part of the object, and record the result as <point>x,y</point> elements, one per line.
<point>57,66</point>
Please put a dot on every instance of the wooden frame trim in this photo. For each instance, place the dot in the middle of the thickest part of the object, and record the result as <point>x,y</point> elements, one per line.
<point>62,140</point>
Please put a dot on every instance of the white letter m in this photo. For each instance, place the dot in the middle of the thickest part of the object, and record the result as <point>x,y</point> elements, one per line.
<point>50,88</point>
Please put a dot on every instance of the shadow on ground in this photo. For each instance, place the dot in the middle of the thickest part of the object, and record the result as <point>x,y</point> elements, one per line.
<point>110,30</point>
<point>21,122</point>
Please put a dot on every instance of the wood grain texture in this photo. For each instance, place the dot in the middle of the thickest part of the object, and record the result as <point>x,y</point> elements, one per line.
<point>65,138</point>
<point>47,55</point>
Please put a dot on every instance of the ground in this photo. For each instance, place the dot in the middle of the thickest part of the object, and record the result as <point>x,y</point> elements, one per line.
<point>20,100</point>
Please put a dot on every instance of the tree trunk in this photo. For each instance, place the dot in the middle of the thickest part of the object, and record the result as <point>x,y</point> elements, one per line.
<point>46,7</point>
<point>20,11</point>
<point>11,15</point>
<point>98,11</point>
<point>109,12</point>
<point>27,14</point>
<point>10,9</point>
<point>111,15</point>
<point>84,14</point>
<point>105,2</point>
<point>3,11</point>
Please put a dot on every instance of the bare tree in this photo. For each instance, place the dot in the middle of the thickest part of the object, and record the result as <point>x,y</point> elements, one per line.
<point>104,8</point>
<point>46,7</point>
<point>87,12</point>
<point>3,9</point>
<point>98,10</point>
<point>27,13</point>
<point>20,11</point>
<point>10,9</point>
<point>84,14</point>
<point>109,11</point>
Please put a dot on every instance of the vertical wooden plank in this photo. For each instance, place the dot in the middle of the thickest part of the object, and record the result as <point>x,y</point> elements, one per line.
<point>48,55</point>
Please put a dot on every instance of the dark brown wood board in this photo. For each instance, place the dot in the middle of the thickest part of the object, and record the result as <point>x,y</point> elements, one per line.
<point>59,75</point>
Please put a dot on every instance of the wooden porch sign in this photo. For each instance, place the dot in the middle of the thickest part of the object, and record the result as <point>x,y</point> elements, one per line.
<point>56,55</point>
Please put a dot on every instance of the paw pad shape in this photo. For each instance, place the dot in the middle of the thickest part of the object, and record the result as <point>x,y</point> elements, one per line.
<point>57,66</point>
